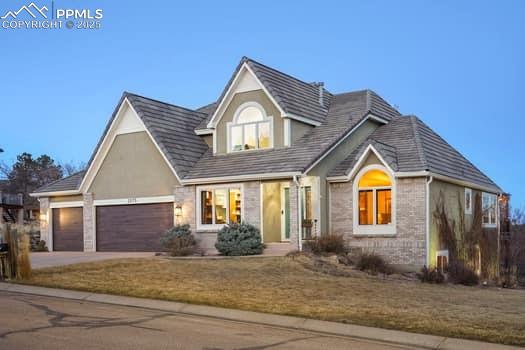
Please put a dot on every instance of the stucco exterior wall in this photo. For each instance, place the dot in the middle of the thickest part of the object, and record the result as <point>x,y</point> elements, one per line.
<point>342,151</point>
<point>133,168</point>
<point>298,130</point>
<point>260,97</point>
<point>61,199</point>
<point>407,247</point>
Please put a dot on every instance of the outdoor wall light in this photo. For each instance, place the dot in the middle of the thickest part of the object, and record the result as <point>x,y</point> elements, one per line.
<point>43,217</point>
<point>178,211</point>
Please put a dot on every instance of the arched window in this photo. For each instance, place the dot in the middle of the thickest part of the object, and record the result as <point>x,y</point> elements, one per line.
<point>251,128</point>
<point>374,204</point>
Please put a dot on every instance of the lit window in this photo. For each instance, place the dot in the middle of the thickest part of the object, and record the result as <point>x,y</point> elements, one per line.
<point>468,201</point>
<point>442,260</point>
<point>489,207</point>
<point>375,198</point>
<point>219,206</point>
<point>251,128</point>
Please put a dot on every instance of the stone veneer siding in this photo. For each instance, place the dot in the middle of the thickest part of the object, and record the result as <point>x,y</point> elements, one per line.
<point>44,224</point>
<point>89,223</point>
<point>408,245</point>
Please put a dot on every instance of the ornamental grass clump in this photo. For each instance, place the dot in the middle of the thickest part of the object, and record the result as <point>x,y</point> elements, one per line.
<point>179,241</point>
<point>239,239</point>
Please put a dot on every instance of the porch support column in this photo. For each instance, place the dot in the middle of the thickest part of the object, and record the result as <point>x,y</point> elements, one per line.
<point>45,217</point>
<point>184,196</point>
<point>294,216</point>
<point>89,223</point>
<point>252,203</point>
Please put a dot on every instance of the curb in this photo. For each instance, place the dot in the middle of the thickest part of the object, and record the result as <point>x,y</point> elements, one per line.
<point>393,337</point>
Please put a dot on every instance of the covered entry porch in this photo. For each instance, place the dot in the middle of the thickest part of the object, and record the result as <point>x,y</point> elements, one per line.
<point>289,207</point>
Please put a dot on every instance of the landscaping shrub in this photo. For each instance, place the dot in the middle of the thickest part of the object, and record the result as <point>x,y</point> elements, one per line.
<point>239,239</point>
<point>40,246</point>
<point>179,241</point>
<point>459,273</point>
<point>373,264</point>
<point>431,275</point>
<point>326,244</point>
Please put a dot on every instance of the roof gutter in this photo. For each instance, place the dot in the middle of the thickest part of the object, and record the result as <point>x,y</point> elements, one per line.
<point>249,177</point>
<point>55,193</point>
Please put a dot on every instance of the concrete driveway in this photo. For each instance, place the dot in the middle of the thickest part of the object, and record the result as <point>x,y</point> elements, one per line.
<point>39,260</point>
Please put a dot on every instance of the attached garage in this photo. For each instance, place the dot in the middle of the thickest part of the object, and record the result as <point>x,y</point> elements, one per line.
<point>68,229</point>
<point>136,227</point>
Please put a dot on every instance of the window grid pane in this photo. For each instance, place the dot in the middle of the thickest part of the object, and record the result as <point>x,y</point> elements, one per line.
<point>366,208</point>
<point>206,207</point>
<point>384,207</point>
<point>235,206</point>
<point>221,206</point>
<point>264,135</point>
<point>250,136</point>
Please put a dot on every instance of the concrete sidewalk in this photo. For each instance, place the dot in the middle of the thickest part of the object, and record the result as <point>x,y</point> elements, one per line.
<point>332,328</point>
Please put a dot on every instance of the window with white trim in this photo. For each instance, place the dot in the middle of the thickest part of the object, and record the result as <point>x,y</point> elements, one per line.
<point>489,205</point>
<point>375,198</point>
<point>374,204</point>
<point>468,201</point>
<point>219,206</point>
<point>251,128</point>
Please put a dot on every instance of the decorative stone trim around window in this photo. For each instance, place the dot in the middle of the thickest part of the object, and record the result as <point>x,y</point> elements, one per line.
<point>372,193</point>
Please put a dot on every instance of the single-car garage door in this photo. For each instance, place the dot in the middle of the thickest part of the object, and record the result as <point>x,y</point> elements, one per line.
<point>68,229</point>
<point>136,227</point>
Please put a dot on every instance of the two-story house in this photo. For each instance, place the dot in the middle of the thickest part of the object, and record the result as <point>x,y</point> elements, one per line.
<point>285,155</point>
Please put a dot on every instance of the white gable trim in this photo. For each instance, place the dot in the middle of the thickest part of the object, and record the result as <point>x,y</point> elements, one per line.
<point>109,139</point>
<point>217,115</point>
<point>369,149</point>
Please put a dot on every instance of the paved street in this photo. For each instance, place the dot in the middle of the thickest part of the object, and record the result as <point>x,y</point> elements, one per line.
<point>36,322</point>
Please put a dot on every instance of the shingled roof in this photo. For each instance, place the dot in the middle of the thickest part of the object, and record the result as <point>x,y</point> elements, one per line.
<point>345,112</point>
<point>69,183</point>
<point>407,145</point>
<point>293,95</point>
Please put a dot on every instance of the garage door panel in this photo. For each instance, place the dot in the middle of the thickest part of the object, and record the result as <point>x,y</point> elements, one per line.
<point>136,227</point>
<point>68,229</point>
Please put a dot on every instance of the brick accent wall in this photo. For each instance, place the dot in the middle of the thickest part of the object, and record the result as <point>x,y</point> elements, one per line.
<point>252,203</point>
<point>408,246</point>
<point>89,223</point>
<point>185,197</point>
<point>44,224</point>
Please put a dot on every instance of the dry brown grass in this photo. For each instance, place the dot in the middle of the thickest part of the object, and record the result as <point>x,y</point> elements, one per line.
<point>295,286</point>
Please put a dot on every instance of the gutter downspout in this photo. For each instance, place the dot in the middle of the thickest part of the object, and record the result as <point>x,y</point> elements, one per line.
<point>297,182</point>
<point>427,233</point>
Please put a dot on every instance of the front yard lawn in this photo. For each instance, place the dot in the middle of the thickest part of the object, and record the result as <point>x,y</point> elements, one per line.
<point>299,287</point>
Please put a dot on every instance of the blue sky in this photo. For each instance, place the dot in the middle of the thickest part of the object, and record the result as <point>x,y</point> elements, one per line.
<point>457,65</point>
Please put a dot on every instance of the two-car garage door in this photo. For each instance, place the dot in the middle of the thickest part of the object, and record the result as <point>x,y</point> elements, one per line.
<point>123,228</point>
<point>136,227</point>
